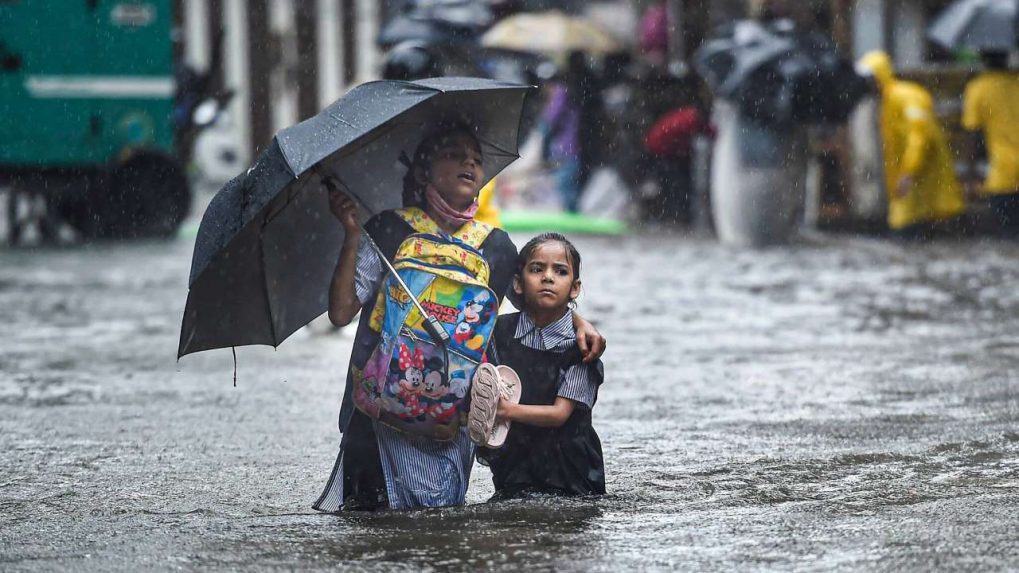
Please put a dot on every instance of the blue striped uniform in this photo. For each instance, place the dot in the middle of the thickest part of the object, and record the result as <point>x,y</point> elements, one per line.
<point>419,472</point>
<point>368,273</point>
<point>559,336</point>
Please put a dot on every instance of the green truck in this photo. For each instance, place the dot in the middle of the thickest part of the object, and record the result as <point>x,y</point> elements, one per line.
<point>87,101</point>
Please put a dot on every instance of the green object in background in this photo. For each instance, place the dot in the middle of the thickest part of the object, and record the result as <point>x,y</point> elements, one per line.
<point>87,99</point>
<point>966,56</point>
<point>538,221</point>
<point>82,80</point>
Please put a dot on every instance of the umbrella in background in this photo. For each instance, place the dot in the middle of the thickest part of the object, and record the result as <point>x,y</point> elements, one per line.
<point>437,22</point>
<point>552,33</point>
<point>458,12</point>
<point>267,244</point>
<point>777,75</point>
<point>982,25</point>
<point>404,28</point>
<point>728,60</point>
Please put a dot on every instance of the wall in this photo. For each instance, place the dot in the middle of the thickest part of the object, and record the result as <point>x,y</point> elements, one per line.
<point>277,58</point>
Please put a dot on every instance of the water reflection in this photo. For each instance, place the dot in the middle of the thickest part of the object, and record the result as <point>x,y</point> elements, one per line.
<point>843,403</point>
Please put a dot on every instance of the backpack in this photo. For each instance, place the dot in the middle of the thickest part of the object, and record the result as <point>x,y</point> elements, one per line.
<point>411,382</point>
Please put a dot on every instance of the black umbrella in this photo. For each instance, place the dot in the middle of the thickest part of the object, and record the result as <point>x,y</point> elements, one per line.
<point>459,12</point>
<point>427,31</point>
<point>443,22</point>
<point>828,88</point>
<point>779,76</point>
<point>267,244</point>
<point>739,51</point>
<point>985,25</point>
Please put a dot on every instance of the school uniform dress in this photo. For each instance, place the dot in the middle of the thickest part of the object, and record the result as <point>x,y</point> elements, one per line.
<point>566,460</point>
<point>379,467</point>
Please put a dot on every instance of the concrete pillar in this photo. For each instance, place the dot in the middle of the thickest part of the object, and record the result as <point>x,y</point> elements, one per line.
<point>306,30</point>
<point>348,39</point>
<point>330,52</point>
<point>908,41</point>
<point>367,31</point>
<point>196,28</point>
<point>868,27</point>
<point>283,63</point>
<point>235,21</point>
<point>260,76</point>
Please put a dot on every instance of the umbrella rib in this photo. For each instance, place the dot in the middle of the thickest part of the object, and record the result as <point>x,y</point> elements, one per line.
<point>341,120</point>
<point>265,283</point>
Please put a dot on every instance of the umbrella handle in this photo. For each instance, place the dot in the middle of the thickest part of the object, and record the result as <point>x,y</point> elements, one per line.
<point>431,324</point>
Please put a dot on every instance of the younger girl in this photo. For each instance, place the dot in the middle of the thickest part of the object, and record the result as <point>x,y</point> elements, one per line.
<point>551,447</point>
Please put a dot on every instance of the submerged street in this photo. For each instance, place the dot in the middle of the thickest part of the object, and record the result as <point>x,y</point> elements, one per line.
<point>842,403</point>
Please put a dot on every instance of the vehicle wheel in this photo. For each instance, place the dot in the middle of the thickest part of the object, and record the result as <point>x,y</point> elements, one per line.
<point>83,205</point>
<point>147,195</point>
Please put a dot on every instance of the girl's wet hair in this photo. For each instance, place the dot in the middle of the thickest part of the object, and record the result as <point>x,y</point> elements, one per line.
<point>572,254</point>
<point>413,190</point>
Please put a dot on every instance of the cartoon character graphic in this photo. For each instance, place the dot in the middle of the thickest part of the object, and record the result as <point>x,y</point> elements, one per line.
<point>435,385</point>
<point>441,401</point>
<point>409,381</point>
<point>459,385</point>
<point>473,312</point>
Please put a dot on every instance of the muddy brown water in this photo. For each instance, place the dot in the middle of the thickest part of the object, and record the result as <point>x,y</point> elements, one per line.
<point>845,403</point>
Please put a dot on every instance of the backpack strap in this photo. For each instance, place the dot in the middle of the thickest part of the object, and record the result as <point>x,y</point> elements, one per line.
<point>472,233</point>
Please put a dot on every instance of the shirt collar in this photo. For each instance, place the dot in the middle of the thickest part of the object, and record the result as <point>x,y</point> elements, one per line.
<point>552,335</point>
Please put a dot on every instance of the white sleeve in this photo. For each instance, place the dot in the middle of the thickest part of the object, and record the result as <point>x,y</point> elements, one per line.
<point>367,273</point>
<point>576,385</point>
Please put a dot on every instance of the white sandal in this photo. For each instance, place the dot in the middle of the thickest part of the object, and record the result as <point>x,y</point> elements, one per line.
<point>491,384</point>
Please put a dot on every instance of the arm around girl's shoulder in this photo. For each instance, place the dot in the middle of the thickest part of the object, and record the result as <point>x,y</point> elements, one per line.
<point>552,416</point>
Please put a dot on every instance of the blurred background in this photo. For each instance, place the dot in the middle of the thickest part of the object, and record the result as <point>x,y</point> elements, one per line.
<point>141,107</point>
<point>840,400</point>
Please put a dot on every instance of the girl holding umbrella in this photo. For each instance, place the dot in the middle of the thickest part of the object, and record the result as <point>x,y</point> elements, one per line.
<point>379,467</point>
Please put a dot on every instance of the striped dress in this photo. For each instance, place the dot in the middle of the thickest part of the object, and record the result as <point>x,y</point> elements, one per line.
<point>417,471</point>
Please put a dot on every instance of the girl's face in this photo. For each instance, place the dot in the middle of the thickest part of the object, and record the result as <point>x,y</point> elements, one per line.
<point>547,281</point>
<point>456,170</point>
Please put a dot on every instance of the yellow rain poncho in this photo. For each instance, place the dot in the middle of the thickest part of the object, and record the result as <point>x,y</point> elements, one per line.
<point>991,105</point>
<point>488,212</point>
<point>914,146</point>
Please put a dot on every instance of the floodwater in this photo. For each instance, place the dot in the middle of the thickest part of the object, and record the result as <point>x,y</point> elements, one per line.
<point>846,403</point>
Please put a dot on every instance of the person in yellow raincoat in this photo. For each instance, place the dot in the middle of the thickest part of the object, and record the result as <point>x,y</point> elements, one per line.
<point>919,177</point>
<point>488,211</point>
<point>991,106</point>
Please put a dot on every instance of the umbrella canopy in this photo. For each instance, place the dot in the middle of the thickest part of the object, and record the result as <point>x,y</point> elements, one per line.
<point>442,22</point>
<point>778,75</point>
<point>983,25</point>
<point>458,12</point>
<point>550,33</point>
<point>267,244</point>
<point>409,28</point>
<point>727,61</point>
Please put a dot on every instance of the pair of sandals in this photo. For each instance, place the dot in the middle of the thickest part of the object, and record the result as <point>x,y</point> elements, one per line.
<point>490,384</point>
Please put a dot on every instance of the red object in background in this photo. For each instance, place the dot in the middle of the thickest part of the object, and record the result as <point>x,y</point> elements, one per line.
<point>672,134</point>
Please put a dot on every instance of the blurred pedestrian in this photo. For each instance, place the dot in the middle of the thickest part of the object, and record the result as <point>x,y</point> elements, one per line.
<point>567,125</point>
<point>552,447</point>
<point>410,60</point>
<point>669,143</point>
<point>378,466</point>
<point>488,211</point>
<point>991,109</point>
<point>653,36</point>
<point>923,192</point>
